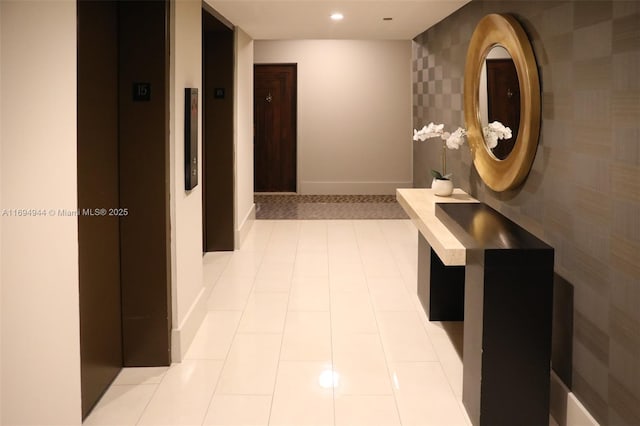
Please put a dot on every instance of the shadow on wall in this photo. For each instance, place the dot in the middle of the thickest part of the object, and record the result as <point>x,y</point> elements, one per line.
<point>562,329</point>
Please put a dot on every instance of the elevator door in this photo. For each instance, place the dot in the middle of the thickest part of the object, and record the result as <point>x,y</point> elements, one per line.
<point>98,236</point>
<point>217,135</point>
<point>122,165</point>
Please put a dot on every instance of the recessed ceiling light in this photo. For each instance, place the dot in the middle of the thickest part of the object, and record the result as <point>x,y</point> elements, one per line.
<point>337,16</point>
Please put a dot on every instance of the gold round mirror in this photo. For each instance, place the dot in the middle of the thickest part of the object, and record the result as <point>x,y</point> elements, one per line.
<point>500,38</point>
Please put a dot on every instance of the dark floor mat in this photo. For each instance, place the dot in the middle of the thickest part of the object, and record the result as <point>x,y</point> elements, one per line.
<point>293,206</point>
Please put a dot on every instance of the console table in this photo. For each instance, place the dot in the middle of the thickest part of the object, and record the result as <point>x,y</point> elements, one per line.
<point>507,276</point>
<point>441,257</point>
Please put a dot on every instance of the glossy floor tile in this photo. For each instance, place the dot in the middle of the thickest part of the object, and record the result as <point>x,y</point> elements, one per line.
<point>309,323</point>
<point>239,410</point>
<point>121,405</point>
<point>301,397</point>
<point>183,395</point>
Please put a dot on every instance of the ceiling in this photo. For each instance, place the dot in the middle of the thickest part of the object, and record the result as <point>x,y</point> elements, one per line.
<point>309,19</point>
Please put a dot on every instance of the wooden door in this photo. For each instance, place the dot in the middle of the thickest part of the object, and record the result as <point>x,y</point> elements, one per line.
<point>98,236</point>
<point>275,128</point>
<point>503,97</point>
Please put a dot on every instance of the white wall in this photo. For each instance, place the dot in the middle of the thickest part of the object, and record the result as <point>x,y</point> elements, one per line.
<point>40,350</point>
<point>245,208</point>
<point>40,371</point>
<point>1,399</point>
<point>188,291</point>
<point>354,113</point>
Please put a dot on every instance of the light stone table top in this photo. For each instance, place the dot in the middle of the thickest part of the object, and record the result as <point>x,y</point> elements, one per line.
<point>420,205</point>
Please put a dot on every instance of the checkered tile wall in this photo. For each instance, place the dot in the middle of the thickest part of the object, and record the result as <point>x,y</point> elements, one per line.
<point>583,193</point>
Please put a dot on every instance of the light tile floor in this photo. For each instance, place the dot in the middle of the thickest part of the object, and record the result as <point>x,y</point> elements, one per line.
<point>310,323</point>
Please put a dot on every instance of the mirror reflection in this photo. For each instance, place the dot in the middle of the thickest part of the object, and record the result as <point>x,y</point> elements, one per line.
<point>500,97</point>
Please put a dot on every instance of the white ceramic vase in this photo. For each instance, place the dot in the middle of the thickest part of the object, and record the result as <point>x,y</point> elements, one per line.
<point>442,187</point>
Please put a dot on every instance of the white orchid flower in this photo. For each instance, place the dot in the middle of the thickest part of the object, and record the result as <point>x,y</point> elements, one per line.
<point>500,130</point>
<point>492,133</point>
<point>450,140</point>
<point>423,134</point>
<point>490,138</point>
<point>456,139</point>
<point>429,131</point>
<point>434,130</point>
<point>495,131</point>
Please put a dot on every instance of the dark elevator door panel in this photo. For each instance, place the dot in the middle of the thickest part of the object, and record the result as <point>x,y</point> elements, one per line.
<point>144,180</point>
<point>98,236</point>
<point>218,166</point>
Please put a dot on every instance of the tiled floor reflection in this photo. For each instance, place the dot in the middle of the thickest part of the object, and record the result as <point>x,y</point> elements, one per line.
<point>292,206</point>
<point>310,323</point>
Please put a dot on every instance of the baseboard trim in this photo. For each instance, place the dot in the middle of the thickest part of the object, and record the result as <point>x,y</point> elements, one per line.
<point>351,188</point>
<point>182,337</point>
<point>565,408</point>
<point>245,227</point>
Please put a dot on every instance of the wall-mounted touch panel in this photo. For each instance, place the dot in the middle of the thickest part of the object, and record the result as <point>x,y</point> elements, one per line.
<point>190,138</point>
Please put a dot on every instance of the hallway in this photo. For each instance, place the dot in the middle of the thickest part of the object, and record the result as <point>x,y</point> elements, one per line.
<point>311,322</point>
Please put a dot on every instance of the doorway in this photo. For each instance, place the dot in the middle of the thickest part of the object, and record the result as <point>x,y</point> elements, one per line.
<point>217,134</point>
<point>275,142</point>
<point>123,190</point>
<point>98,237</point>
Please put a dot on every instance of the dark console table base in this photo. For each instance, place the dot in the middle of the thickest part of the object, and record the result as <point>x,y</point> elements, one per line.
<point>507,337</point>
<point>508,292</point>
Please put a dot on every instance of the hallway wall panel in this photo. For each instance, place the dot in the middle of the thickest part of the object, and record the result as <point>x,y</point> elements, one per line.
<point>40,350</point>
<point>186,227</point>
<point>354,113</point>
<point>245,210</point>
